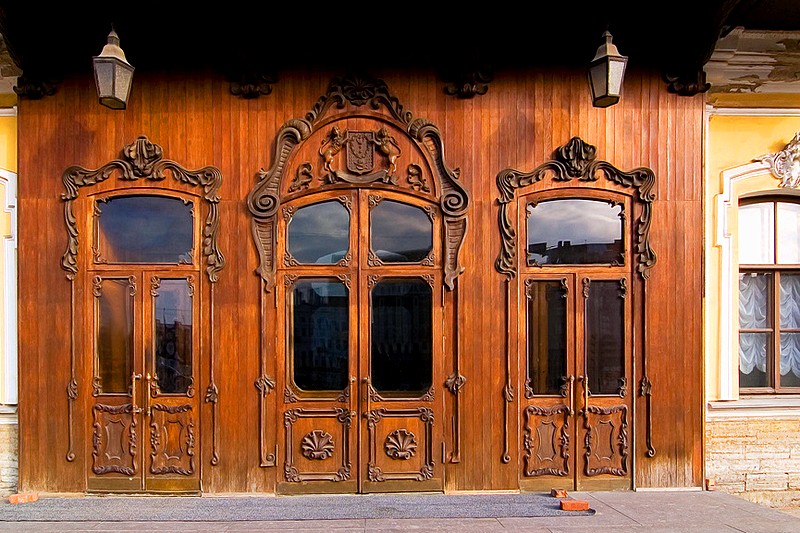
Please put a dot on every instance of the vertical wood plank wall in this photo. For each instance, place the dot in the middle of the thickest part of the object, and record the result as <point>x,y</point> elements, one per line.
<point>518,123</point>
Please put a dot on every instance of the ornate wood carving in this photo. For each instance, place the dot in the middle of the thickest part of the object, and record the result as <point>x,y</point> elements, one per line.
<point>360,148</point>
<point>400,444</point>
<point>264,199</point>
<point>374,416</point>
<point>114,439</point>
<point>250,85</point>
<point>690,82</point>
<point>606,440</point>
<point>416,179</point>
<point>508,389</point>
<point>546,440</point>
<point>468,84</point>
<point>315,443</point>
<point>264,384</point>
<point>34,88</point>
<point>143,159</point>
<point>576,160</point>
<point>172,439</point>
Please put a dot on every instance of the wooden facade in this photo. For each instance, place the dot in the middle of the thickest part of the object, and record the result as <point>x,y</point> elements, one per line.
<point>471,428</point>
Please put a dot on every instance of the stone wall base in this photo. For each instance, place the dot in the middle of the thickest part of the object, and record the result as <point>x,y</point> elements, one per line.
<point>9,465</point>
<point>757,458</point>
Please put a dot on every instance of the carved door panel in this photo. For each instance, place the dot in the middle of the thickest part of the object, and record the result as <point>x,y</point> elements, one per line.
<point>360,354</point>
<point>144,411</point>
<point>576,369</point>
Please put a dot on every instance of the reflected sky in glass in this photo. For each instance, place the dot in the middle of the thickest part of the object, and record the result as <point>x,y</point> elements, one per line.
<point>319,233</point>
<point>400,233</point>
<point>145,229</point>
<point>574,231</point>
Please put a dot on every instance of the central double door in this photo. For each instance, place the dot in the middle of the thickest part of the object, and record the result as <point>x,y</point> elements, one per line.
<point>361,342</point>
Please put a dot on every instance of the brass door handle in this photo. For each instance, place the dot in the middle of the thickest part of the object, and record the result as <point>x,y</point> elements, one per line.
<point>367,385</point>
<point>135,408</point>
<point>584,381</point>
<point>571,381</point>
<point>148,379</point>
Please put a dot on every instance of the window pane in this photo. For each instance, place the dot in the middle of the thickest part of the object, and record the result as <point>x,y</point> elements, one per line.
<point>320,331</point>
<point>173,335</point>
<point>319,233</point>
<point>400,233</point>
<point>605,333</point>
<point>756,234</point>
<point>114,336</point>
<point>402,336</point>
<point>145,229</point>
<point>790,359</point>
<point>788,233</point>
<point>790,301</point>
<point>547,336</point>
<point>753,359</point>
<point>753,300</point>
<point>574,231</point>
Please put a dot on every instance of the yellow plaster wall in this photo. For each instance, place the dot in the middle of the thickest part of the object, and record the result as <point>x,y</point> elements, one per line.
<point>733,140</point>
<point>8,143</point>
<point>8,161</point>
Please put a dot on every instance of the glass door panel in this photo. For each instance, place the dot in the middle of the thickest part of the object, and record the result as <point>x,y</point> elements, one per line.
<point>605,337</point>
<point>401,337</point>
<point>320,328</point>
<point>114,334</point>
<point>173,334</point>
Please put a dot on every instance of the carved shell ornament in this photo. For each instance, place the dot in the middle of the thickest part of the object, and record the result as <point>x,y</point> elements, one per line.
<point>317,445</point>
<point>400,444</point>
<point>785,165</point>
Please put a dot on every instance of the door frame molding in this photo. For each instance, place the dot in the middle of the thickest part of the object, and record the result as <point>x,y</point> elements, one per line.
<point>139,161</point>
<point>577,160</point>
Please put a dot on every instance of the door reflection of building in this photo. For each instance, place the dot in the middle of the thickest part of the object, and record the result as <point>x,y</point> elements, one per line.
<point>567,253</point>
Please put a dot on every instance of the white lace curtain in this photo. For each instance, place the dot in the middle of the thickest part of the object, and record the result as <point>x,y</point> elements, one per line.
<point>753,302</point>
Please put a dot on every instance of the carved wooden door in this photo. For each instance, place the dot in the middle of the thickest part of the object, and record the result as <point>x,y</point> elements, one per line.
<point>362,349</point>
<point>576,351</point>
<point>144,407</point>
<point>143,341</point>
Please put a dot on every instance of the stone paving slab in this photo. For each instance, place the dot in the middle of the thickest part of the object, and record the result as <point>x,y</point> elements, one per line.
<point>618,512</point>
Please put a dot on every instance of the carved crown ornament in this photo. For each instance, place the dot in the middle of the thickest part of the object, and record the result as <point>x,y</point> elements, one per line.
<point>785,165</point>
<point>362,157</point>
<point>576,160</point>
<point>144,160</point>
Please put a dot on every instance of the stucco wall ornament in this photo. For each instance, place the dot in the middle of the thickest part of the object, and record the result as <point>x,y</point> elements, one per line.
<point>785,165</point>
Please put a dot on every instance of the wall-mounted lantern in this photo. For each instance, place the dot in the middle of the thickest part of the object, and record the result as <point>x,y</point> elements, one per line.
<point>606,73</point>
<point>113,74</point>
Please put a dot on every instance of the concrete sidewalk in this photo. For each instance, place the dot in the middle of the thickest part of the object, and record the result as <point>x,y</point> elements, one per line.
<point>639,512</point>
